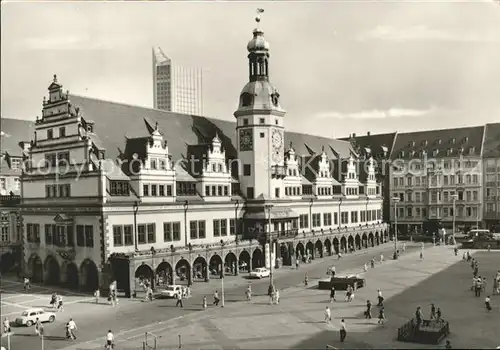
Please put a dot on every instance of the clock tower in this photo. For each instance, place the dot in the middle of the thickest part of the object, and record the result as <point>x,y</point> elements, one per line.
<point>260,127</point>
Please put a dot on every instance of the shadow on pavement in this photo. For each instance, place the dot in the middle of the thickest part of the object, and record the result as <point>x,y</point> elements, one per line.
<point>331,338</point>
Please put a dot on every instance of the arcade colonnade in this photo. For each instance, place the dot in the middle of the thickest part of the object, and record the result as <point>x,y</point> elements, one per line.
<point>57,271</point>
<point>201,265</point>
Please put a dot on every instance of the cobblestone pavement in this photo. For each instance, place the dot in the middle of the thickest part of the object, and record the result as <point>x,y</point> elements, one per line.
<point>298,322</point>
<point>134,314</point>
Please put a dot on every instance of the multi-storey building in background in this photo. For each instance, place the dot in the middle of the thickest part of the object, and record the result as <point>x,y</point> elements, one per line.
<point>176,88</point>
<point>491,170</point>
<point>433,174</point>
<point>11,167</point>
<point>187,197</point>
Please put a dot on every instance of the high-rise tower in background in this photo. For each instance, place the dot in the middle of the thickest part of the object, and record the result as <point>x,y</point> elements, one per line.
<point>176,89</point>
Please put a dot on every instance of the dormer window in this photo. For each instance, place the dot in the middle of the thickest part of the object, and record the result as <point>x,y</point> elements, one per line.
<point>220,168</point>
<point>162,164</point>
<point>214,168</point>
<point>50,134</point>
<point>62,131</point>
<point>154,164</point>
<point>438,142</point>
<point>246,99</point>
<point>472,150</point>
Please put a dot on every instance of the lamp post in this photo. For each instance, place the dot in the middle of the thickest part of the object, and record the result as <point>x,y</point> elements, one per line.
<point>153,278</point>
<point>271,248</point>
<point>396,201</point>
<point>186,207</point>
<point>172,250</point>
<point>222,243</point>
<point>136,209</point>
<point>454,197</point>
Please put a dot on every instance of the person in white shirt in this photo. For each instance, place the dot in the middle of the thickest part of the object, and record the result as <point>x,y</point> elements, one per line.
<point>6,326</point>
<point>328,315</point>
<point>487,303</point>
<point>380,298</point>
<point>381,257</point>
<point>72,328</point>
<point>110,339</point>
<point>277,296</point>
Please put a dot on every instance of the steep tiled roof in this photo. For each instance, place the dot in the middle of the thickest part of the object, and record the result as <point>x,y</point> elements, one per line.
<point>116,121</point>
<point>441,140</point>
<point>13,131</point>
<point>492,141</point>
<point>375,142</point>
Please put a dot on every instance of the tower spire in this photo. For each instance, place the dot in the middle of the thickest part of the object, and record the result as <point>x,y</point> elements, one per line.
<point>258,17</point>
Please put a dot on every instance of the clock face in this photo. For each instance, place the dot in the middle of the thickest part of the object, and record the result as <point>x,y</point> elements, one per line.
<point>246,140</point>
<point>277,158</point>
<point>277,139</point>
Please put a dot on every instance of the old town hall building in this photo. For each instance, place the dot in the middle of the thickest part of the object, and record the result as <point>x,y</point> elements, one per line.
<point>117,192</point>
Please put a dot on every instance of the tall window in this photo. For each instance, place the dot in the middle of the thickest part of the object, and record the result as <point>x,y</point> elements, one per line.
<point>151,233</point>
<point>89,236</point>
<point>316,220</point>
<point>128,234</point>
<point>141,234</point>
<point>117,235</point>
<point>171,231</point>
<point>344,217</point>
<point>304,221</point>
<point>327,219</point>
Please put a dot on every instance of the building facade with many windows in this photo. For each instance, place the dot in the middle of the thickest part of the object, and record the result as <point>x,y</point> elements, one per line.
<point>184,196</point>
<point>176,88</point>
<point>491,171</point>
<point>11,167</point>
<point>437,176</point>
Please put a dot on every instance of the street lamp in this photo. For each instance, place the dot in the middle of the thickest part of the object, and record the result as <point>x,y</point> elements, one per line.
<point>136,209</point>
<point>454,197</point>
<point>153,278</point>
<point>186,206</point>
<point>396,201</point>
<point>271,248</point>
<point>222,275</point>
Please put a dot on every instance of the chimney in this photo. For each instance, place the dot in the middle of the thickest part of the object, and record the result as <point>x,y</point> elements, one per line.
<point>368,133</point>
<point>353,134</point>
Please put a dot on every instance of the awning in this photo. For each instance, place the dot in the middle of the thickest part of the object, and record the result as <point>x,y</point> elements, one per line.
<point>276,213</point>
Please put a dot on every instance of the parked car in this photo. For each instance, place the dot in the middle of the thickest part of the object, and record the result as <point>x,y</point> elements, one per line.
<point>260,272</point>
<point>28,317</point>
<point>171,291</point>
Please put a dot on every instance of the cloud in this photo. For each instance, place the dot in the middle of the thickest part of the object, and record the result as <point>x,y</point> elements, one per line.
<point>376,114</point>
<point>423,33</point>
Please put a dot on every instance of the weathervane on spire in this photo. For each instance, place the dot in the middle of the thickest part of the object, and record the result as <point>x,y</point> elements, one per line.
<point>257,18</point>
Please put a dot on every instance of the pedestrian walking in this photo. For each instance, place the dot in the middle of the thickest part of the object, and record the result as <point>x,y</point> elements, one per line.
<point>332,294</point>
<point>277,295</point>
<point>328,315</point>
<point>348,294</point>
<point>216,298</point>
<point>372,263</point>
<point>381,316</point>
<point>248,293</point>
<point>365,268</point>
<point>380,298</point>
<point>381,258</point>
<point>60,305</point>
<point>333,270</point>
<point>448,345</point>
<point>478,287</point>
<point>72,328</point>
<point>297,263</point>
<point>343,330</point>
<point>27,284</point>
<point>97,295</point>
<point>38,327</point>
<point>110,340</point>
<point>6,326</point>
<point>306,280</point>
<point>421,255</point>
<point>204,302</point>
<point>487,303</point>
<point>179,300</point>
<point>368,312</point>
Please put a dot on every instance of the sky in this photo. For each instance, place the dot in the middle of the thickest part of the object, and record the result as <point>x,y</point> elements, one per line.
<point>340,67</point>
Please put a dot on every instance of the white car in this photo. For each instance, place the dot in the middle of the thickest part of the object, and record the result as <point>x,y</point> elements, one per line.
<point>28,317</point>
<point>172,291</point>
<point>260,272</point>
